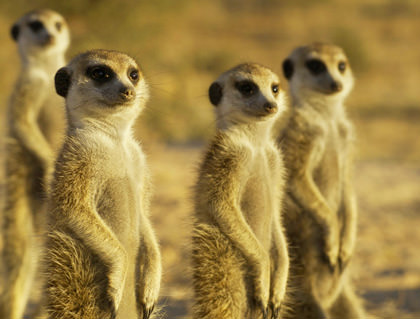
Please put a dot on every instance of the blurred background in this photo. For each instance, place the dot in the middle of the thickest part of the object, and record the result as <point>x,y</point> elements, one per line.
<point>184,45</point>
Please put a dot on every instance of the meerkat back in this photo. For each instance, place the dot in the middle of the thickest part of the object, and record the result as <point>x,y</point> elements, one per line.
<point>35,127</point>
<point>237,233</point>
<point>320,214</point>
<point>102,259</point>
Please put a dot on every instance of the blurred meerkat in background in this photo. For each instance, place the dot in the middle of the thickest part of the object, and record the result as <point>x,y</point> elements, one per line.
<point>35,127</point>
<point>320,215</point>
<point>240,261</point>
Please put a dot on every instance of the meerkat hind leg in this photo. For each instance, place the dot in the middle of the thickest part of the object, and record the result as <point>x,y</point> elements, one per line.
<point>75,286</point>
<point>218,278</point>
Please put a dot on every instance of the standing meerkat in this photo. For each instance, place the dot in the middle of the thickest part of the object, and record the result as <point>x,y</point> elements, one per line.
<point>320,209</point>
<point>102,259</point>
<point>35,127</point>
<point>240,261</point>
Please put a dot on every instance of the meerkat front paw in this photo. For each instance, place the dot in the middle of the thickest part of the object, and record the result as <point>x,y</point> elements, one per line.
<point>275,302</point>
<point>117,281</point>
<point>346,250</point>
<point>332,246</point>
<point>344,257</point>
<point>149,287</point>
<point>262,287</point>
<point>278,285</point>
<point>148,301</point>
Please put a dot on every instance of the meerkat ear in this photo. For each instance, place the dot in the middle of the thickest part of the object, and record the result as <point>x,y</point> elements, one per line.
<point>288,68</point>
<point>215,93</point>
<point>14,31</point>
<point>62,81</point>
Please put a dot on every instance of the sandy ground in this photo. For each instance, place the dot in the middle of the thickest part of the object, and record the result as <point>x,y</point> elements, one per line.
<point>386,265</point>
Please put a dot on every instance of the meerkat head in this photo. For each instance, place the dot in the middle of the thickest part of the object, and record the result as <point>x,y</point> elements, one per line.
<point>41,32</point>
<point>247,93</point>
<point>100,83</point>
<point>320,70</point>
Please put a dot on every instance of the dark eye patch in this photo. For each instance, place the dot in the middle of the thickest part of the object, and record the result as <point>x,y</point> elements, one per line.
<point>36,26</point>
<point>316,66</point>
<point>246,87</point>
<point>100,73</point>
<point>342,66</point>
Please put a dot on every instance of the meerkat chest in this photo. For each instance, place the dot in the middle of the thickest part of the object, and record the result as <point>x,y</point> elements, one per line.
<point>121,200</point>
<point>329,174</point>
<point>257,198</point>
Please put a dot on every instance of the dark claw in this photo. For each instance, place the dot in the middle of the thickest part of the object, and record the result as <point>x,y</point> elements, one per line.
<point>147,312</point>
<point>264,311</point>
<point>342,265</point>
<point>275,311</point>
<point>327,260</point>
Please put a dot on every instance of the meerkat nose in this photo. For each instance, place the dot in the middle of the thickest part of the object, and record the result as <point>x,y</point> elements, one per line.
<point>127,93</point>
<point>336,86</point>
<point>270,107</point>
<point>49,38</point>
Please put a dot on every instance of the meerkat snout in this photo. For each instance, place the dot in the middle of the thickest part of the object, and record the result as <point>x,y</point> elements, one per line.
<point>127,93</point>
<point>336,86</point>
<point>270,107</point>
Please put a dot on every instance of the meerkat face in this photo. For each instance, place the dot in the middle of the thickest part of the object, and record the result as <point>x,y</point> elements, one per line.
<point>318,69</point>
<point>247,93</point>
<point>41,31</point>
<point>101,82</point>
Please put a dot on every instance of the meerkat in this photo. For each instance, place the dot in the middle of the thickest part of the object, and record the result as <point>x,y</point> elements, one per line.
<point>320,206</point>
<point>239,253</point>
<point>35,127</point>
<point>101,258</point>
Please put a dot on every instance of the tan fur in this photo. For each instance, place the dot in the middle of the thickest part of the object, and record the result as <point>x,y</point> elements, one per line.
<point>240,261</point>
<point>102,259</point>
<point>320,211</point>
<point>35,129</point>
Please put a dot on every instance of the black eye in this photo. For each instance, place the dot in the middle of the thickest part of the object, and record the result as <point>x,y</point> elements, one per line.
<point>342,66</point>
<point>275,88</point>
<point>247,88</point>
<point>100,73</point>
<point>316,66</point>
<point>134,75</point>
<point>36,26</point>
<point>58,26</point>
